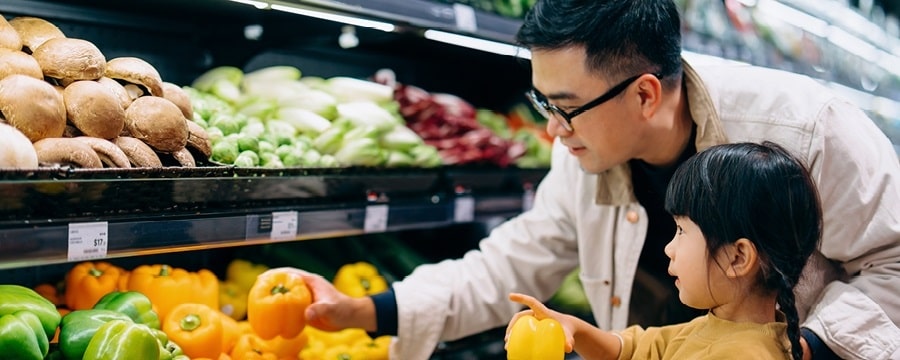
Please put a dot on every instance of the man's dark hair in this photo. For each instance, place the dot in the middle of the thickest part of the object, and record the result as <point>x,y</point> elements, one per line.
<point>622,38</point>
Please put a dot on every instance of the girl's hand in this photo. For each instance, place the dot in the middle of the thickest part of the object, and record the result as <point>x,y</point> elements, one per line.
<point>539,311</point>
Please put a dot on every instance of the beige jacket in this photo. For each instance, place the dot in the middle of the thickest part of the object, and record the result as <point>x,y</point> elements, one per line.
<point>594,221</point>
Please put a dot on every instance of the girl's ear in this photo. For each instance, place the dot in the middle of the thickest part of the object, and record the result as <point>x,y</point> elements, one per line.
<point>743,259</point>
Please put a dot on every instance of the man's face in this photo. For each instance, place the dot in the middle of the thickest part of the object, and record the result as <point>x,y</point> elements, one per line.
<point>603,136</point>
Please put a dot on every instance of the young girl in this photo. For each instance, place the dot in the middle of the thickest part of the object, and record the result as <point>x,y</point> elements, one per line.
<point>747,218</point>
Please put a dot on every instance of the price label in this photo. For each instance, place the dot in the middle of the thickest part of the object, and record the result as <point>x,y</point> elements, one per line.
<point>376,218</point>
<point>527,199</point>
<point>284,225</point>
<point>464,209</point>
<point>88,240</point>
<point>465,17</point>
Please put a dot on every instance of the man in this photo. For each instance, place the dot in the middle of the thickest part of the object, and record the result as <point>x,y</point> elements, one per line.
<point>627,111</point>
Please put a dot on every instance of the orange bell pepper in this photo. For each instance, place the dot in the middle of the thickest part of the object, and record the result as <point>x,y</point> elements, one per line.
<point>277,303</point>
<point>251,347</point>
<point>88,281</point>
<point>123,280</point>
<point>206,288</point>
<point>49,292</point>
<point>197,328</point>
<point>167,287</point>
<point>231,332</point>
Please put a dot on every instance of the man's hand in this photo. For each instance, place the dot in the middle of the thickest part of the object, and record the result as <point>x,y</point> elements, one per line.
<point>332,310</point>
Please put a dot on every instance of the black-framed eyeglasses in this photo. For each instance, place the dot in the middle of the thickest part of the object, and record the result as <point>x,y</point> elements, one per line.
<point>546,109</point>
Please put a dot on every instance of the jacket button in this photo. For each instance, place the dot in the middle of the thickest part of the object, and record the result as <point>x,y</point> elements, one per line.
<point>606,282</point>
<point>632,216</point>
<point>615,301</point>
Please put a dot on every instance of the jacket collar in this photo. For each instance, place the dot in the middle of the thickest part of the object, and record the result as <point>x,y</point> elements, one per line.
<point>614,185</point>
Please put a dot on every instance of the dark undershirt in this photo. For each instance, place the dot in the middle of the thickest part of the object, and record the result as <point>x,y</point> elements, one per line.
<point>650,183</point>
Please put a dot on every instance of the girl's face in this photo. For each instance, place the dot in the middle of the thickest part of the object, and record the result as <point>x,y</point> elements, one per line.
<point>700,281</point>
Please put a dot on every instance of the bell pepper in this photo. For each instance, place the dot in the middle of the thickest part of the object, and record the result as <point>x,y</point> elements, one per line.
<point>252,347</point>
<point>277,303</point>
<point>123,280</point>
<point>206,288</point>
<point>168,350</point>
<point>15,298</point>
<point>196,328</point>
<point>231,332</point>
<point>232,300</point>
<point>49,292</point>
<point>123,340</point>
<point>533,339</point>
<point>165,286</point>
<point>286,348</point>
<point>359,279</point>
<point>377,348</point>
<point>243,273</point>
<point>78,327</point>
<point>88,281</point>
<point>22,336</point>
<point>133,304</point>
<point>344,352</point>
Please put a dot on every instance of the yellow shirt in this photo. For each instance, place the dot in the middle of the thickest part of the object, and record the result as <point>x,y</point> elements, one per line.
<point>707,337</point>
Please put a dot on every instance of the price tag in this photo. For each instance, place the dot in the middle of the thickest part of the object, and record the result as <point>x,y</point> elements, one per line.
<point>376,218</point>
<point>527,199</point>
<point>464,209</point>
<point>284,225</point>
<point>465,17</point>
<point>88,240</point>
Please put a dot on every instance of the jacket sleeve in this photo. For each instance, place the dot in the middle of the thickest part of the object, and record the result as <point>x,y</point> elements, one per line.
<point>530,254</point>
<point>858,176</point>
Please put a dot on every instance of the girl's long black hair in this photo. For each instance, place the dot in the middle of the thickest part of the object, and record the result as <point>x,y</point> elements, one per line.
<point>759,192</point>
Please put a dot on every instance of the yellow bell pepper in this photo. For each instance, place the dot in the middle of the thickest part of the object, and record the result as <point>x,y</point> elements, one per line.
<point>232,300</point>
<point>251,347</point>
<point>533,339</point>
<point>344,352</point>
<point>206,288</point>
<point>167,287</point>
<point>88,281</point>
<point>231,332</point>
<point>243,273</point>
<point>197,328</point>
<point>359,279</point>
<point>286,348</point>
<point>277,304</point>
<point>377,348</point>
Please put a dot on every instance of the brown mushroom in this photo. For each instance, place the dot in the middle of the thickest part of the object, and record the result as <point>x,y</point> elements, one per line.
<point>118,90</point>
<point>138,153</point>
<point>110,154</point>
<point>17,151</point>
<point>66,151</point>
<point>157,122</point>
<point>32,106</point>
<point>184,157</point>
<point>34,31</point>
<point>68,60</point>
<point>198,139</point>
<point>9,38</point>
<point>179,97</point>
<point>17,62</point>
<point>94,109</point>
<point>135,71</point>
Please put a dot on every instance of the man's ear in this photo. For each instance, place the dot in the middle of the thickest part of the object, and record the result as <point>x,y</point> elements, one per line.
<point>743,259</point>
<point>650,90</point>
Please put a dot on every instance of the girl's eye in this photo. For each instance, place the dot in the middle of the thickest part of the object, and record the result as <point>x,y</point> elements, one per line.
<point>679,230</point>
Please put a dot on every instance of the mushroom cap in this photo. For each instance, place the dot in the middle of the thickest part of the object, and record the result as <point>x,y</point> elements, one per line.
<point>136,71</point>
<point>157,122</point>
<point>34,31</point>
<point>117,89</point>
<point>179,97</point>
<point>110,154</point>
<point>9,37</point>
<point>18,62</point>
<point>32,106</point>
<point>94,109</point>
<point>66,151</point>
<point>139,153</point>
<point>17,151</point>
<point>198,139</point>
<point>70,59</point>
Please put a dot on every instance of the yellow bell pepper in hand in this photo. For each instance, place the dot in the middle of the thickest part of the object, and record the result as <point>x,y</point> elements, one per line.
<point>88,281</point>
<point>359,279</point>
<point>533,339</point>
<point>277,304</point>
<point>243,273</point>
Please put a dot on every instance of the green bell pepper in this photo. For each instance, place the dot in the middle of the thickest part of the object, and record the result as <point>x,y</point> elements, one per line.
<point>78,327</point>
<point>22,336</point>
<point>14,298</point>
<point>168,350</point>
<point>123,340</point>
<point>132,303</point>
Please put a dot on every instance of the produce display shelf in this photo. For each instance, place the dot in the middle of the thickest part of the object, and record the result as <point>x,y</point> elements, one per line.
<point>152,211</point>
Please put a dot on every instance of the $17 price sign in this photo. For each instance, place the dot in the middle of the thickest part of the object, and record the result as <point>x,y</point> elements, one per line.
<point>88,240</point>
